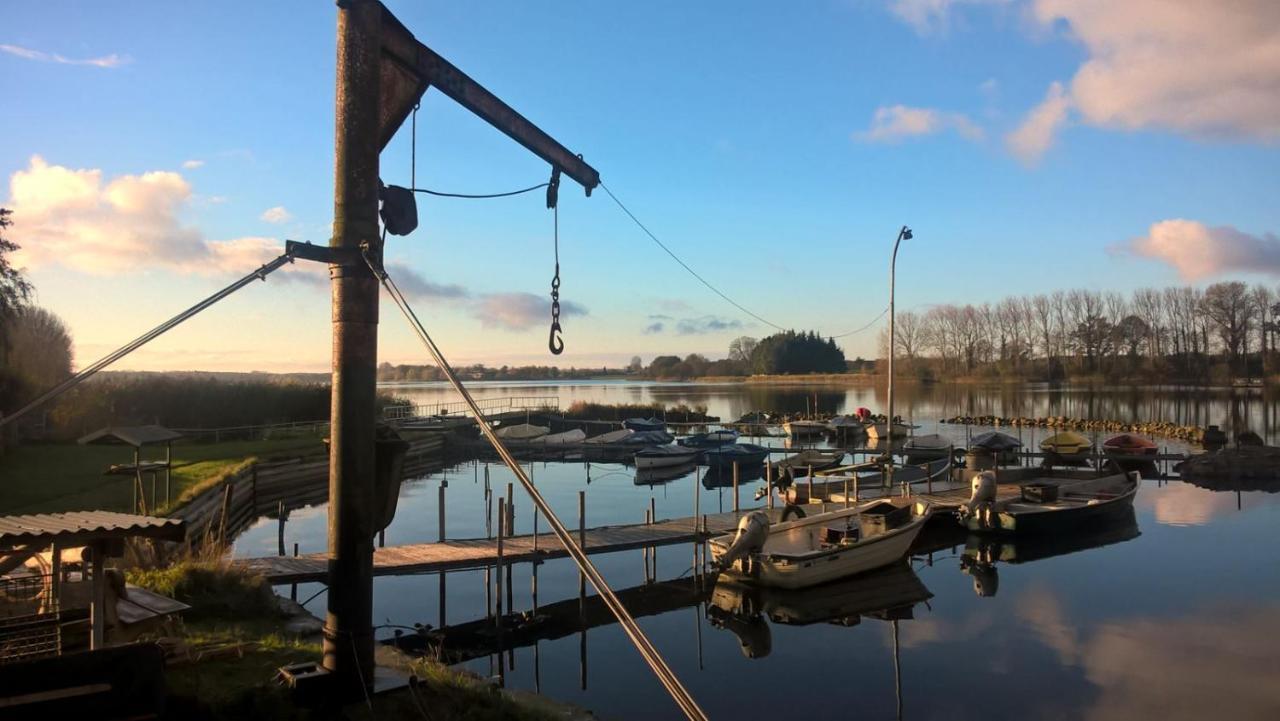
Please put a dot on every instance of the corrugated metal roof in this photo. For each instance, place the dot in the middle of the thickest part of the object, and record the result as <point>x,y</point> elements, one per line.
<point>84,526</point>
<point>135,436</point>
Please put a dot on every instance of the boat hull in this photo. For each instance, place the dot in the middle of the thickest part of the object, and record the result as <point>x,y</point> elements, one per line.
<point>1060,519</point>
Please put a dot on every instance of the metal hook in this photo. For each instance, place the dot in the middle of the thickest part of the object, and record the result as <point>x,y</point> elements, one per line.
<point>554,343</point>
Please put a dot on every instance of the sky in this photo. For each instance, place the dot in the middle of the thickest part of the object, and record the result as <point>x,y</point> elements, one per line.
<point>152,152</point>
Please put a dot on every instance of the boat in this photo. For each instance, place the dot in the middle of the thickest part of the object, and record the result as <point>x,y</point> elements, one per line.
<point>1047,500</point>
<point>522,432</point>
<point>927,447</point>
<point>1067,448</point>
<point>804,429</point>
<point>647,438</point>
<point>710,439</point>
<point>819,548</point>
<point>832,488</point>
<point>990,449</point>
<point>663,456</point>
<point>880,430</point>
<point>744,454</point>
<point>644,424</point>
<point>799,464</point>
<point>1127,444</point>
<point>618,436</point>
<point>576,435</point>
<point>846,425</point>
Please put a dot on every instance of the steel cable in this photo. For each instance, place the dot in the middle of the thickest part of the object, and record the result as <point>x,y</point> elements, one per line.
<point>66,385</point>
<point>650,654</point>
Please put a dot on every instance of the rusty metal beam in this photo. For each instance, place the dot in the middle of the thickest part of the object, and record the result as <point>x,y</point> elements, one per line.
<point>398,44</point>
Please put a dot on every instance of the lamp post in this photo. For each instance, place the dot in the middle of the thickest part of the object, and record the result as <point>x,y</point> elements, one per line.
<point>904,234</point>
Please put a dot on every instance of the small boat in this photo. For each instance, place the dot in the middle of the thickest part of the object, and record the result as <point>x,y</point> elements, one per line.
<point>926,448</point>
<point>804,429</point>
<point>1127,444</point>
<point>644,424</point>
<point>799,464</point>
<point>847,425</point>
<point>832,488</point>
<point>577,435</point>
<point>1047,501</point>
<point>647,438</point>
<point>880,430</point>
<point>744,454</point>
<point>709,439</point>
<point>663,456</point>
<point>618,436</point>
<point>819,548</point>
<point>1066,443</point>
<point>522,432</point>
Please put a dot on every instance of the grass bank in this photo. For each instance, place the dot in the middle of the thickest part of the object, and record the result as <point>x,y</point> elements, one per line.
<point>233,639</point>
<point>46,478</point>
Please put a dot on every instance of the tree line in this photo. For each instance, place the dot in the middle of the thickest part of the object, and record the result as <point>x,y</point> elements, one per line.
<point>788,352</point>
<point>1175,334</point>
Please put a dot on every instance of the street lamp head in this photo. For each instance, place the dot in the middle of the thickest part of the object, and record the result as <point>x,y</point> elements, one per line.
<point>906,233</point>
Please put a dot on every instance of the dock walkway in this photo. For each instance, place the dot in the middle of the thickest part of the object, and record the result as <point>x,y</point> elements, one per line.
<point>483,552</point>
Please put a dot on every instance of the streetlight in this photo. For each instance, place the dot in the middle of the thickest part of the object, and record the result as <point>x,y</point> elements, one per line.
<point>904,234</point>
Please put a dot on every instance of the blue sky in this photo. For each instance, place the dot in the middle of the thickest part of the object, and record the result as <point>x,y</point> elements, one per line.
<point>1031,144</point>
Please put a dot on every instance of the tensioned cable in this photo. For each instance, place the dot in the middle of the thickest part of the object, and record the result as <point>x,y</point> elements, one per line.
<point>507,194</point>
<point>66,385</point>
<point>650,654</point>
<point>704,281</point>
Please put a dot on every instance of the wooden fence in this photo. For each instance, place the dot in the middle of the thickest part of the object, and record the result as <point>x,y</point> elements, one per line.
<point>224,510</point>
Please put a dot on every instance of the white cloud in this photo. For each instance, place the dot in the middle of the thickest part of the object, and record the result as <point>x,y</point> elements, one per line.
<point>519,311</point>
<point>106,61</point>
<point>71,217</point>
<point>892,123</point>
<point>276,215</point>
<point>192,164</point>
<point>1035,136</point>
<point>932,16</point>
<point>1202,69</point>
<point>1199,251</point>
<point>414,285</point>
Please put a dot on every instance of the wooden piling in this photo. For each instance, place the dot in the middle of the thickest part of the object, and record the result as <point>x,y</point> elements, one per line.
<point>280,527</point>
<point>502,515</point>
<point>582,541</point>
<point>768,481</point>
<point>735,486</point>
<point>440,510</point>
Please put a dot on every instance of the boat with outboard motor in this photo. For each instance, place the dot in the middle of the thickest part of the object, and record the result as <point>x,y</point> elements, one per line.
<point>832,487</point>
<point>800,464</point>
<point>822,547</point>
<point>1048,500</point>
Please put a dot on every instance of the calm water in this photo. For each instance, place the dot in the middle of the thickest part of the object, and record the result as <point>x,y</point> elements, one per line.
<point>1173,617</point>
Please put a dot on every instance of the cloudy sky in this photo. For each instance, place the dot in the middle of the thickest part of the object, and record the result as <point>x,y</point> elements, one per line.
<point>154,151</point>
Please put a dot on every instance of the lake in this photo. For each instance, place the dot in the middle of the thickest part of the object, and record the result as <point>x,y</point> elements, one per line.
<point>1170,615</point>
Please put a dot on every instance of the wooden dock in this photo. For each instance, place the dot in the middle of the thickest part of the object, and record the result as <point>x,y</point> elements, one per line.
<point>477,553</point>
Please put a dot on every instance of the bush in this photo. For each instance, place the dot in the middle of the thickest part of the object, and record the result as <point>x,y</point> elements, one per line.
<point>214,589</point>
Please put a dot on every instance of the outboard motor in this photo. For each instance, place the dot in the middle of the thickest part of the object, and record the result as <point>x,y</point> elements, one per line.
<point>753,531</point>
<point>982,495</point>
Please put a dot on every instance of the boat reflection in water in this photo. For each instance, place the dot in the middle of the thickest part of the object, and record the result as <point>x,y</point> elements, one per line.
<point>890,594</point>
<point>982,553</point>
<point>722,476</point>
<point>659,476</point>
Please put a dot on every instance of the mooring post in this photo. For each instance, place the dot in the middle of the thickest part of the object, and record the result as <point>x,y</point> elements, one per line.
<point>735,486</point>
<point>582,539</point>
<point>846,491</point>
<point>648,519</point>
<point>293,587</point>
<point>440,503</point>
<point>280,527</point>
<point>443,597</point>
<point>348,629</point>
<point>768,481</point>
<point>502,516</point>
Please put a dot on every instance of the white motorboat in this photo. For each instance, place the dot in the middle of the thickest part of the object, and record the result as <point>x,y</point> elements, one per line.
<point>577,435</point>
<point>617,436</point>
<point>819,548</point>
<point>805,429</point>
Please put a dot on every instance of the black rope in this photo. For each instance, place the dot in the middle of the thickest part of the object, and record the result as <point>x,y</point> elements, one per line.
<point>507,194</point>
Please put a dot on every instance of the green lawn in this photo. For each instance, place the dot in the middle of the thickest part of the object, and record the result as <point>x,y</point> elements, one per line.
<point>44,478</point>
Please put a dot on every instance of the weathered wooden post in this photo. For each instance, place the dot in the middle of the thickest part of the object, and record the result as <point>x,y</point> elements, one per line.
<point>768,481</point>
<point>348,628</point>
<point>440,502</point>
<point>280,526</point>
<point>582,539</point>
<point>735,486</point>
<point>502,522</point>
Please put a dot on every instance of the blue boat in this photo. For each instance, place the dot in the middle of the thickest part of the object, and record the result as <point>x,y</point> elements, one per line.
<point>645,424</point>
<point>709,440</point>
<point>745,454</point>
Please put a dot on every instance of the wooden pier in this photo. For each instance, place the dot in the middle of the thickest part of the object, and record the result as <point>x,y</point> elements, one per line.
<point>478,553</point>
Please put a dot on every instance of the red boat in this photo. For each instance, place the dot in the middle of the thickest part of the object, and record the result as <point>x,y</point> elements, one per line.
<point>1127,444</point>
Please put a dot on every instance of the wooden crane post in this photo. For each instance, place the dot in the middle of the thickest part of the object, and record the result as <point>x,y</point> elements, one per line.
<point>382,73</point>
